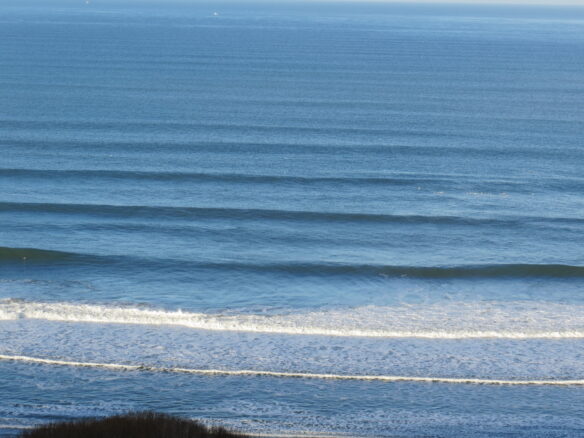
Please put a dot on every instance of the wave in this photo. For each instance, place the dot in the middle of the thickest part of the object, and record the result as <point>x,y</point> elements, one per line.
<point>429,272</point>
<point>220,177</point>
<point>453,320</point>
<point>171,212</point>
<point>270,146</point>
<point>562,184</point>
<point>31,255</point>
<point>260,373</point>
<point>183,212</point>
<point>34,255</point>
<point>174,126</point>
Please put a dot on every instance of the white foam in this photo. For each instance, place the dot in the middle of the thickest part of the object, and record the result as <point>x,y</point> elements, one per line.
<point>451,320</point>
<point>15,426</point>
<point>260,373</point>
<point>411,421</point>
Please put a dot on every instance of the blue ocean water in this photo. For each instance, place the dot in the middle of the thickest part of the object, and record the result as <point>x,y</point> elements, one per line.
<point>311,219</point>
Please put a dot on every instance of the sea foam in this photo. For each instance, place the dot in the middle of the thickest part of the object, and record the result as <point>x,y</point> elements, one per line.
<point>262,373</point>
<point>449,320</point>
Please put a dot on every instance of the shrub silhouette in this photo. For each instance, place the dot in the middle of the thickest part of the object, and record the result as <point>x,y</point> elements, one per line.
<point>131,425</point>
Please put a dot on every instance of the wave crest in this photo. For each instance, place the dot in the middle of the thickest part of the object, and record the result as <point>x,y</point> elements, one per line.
<point>304,268</point>
<point>453,320</point>
<point>33,254</point>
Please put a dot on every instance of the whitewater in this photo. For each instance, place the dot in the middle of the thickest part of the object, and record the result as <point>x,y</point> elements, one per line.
<point>457,320</point>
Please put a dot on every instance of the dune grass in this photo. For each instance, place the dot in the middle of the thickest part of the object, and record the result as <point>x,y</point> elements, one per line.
<point>131,425</point>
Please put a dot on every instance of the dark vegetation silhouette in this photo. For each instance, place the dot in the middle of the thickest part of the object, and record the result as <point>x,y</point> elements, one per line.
<point>131,425</point>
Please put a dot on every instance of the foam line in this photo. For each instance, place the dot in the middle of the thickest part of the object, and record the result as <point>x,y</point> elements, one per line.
<point>15,426</point>
<point>545,321</point>
<point>259,373</point>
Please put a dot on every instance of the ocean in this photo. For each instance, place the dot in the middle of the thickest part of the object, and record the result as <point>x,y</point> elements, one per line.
<point>319,219</point>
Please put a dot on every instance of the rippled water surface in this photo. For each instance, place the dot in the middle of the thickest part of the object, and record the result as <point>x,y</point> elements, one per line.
<point>335,219</point>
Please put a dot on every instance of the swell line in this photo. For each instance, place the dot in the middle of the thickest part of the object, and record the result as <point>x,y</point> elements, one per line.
<point>35,254</point>
<point>308,268</point>
<point>188,212</point>
<point>230,127</point>
<point>283,374</point>
<point>184,212</point>
<point>220,177</point>
<point>560,183</point>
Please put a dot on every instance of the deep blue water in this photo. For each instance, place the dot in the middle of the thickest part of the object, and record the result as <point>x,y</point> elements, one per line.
<point>340,189</point>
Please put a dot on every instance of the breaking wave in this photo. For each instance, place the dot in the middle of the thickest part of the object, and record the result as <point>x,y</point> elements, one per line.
<point>453,320</point>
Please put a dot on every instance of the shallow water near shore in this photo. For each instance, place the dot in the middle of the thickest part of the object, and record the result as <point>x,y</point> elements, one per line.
<point>327,219</point>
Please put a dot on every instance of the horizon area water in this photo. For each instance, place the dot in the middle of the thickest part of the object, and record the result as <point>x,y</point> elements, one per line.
<point>358,220</point>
